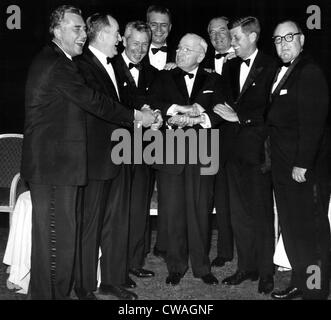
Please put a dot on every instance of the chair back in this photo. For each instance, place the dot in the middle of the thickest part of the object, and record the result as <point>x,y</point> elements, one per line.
<point>10,157</point>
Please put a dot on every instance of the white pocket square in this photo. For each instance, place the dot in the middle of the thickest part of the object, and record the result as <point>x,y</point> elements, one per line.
<point>208,91</point>
<point>125,84</point>
<point>282,92</point>
<point>253,84</point>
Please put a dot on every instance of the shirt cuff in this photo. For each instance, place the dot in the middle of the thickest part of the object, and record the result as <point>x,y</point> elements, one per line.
<point>206,124</point>
<point>172,110</point>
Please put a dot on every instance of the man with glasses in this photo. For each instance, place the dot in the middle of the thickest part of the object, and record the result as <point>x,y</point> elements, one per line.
<point>297,122</point>
<point>250,76</point>
<point>185,196</point>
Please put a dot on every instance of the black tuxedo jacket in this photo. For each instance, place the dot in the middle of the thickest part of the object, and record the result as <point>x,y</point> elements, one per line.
<point>244,141</point>
<point>132,96</point>
<point>169,88</point>
<point>298,113</point>
<point>56,104</point>
<point>100,165</point>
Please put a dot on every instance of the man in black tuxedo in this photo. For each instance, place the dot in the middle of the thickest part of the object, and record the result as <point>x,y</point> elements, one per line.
<point>250,76</point>
<point>54,159</point>
<point>161,54</point>
<point>184,195</point>
<point>135,76</point>
<point>299,145</point>
<point>220,39</point>
<point>107,194</point>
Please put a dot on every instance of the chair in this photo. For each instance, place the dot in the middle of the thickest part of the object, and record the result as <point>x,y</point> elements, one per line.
<point>10,162</point>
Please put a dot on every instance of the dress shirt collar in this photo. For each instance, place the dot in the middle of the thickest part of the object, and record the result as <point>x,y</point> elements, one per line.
<point>100,55</point>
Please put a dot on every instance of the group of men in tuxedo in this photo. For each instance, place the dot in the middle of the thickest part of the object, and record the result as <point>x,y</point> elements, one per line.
<point>82,201</point>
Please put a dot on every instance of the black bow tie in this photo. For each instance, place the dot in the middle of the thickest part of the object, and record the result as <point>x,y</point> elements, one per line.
<point>190,75</point>
<point>286,64</point>
<point>163,49</point>
<point>108,60</point>
<point>220,55</point>
<point>135,65</point>
<point>247,61</point>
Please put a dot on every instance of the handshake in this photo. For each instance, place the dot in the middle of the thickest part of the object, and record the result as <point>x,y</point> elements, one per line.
<point>148,118</point>
<point>187,116</point>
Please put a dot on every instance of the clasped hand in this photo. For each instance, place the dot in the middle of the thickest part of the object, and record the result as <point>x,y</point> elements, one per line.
<point>226,112</point>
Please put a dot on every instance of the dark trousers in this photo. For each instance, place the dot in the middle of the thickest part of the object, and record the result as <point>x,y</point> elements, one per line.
<point>252,217</point>
<point>105,224</point>
<point>303,217</point>
<point>53,240</point>
<point>162,224</point>
<point>185,199</point>
<point>141,193</point>
<point>223,217</point>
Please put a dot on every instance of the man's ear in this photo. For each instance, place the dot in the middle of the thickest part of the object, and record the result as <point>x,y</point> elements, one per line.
<point>302,39</point>
<point>124,42</point>
<point>170,26</point>
<point>253,37</point>
<point>57,33</point>
<point>201,57</point>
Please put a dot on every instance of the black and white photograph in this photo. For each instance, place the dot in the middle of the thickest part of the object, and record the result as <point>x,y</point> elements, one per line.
<point>169,151</point>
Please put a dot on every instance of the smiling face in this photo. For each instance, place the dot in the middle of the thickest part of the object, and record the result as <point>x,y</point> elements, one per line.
<point>288,51</point>
<point>160,26</point>
<point>110,37</point>
<point>70,34</point>
<point>219,35</point>
<point>244,44</point>
<point>136,45</point>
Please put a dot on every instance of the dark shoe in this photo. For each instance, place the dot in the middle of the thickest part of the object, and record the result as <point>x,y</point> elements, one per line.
<point>82,294</point>
<point>142,273</point>
<point>266,284</point>
<point>239,277</point>
<point>129,283</point>
<point>219,262</point>
<point>159,253</point>
<point>287,294</point>
<point>173,278</point>
<point>209,278</point>
<point>117,291</point>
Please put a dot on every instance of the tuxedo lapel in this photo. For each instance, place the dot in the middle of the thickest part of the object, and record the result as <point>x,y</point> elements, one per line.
<point>103,73</point>
<point>253,73</point>
<point>198,83</point>
<point>285,77</point>
<point>180,83</point>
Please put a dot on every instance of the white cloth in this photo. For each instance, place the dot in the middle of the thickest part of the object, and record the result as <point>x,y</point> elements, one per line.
<point>220,62</point>
<point>18,250</point>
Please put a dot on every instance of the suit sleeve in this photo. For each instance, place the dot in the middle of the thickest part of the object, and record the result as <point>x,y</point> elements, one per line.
<point>70,83</point>
<point>312,113</point>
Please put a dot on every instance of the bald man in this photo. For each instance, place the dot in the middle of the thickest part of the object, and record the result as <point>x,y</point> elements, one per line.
<point>185,196</point>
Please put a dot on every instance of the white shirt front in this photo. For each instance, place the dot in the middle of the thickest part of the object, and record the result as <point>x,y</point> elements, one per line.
<point>157,60</point>
<point>190,81</point>
<point>279,77</point>
<point>134,71</point>
<point>219,62</point>
<point>108,66</point>
<point>244,69</point>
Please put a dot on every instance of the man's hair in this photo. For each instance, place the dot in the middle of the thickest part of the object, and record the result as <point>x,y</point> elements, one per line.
<point>248,25</point>
<point>226,19</point>
<point>138,25</point>
<point>95,23</point>
<point>158,9</point>
<point>202,41</point>
<point>57,16</point>
<point>290,21</point>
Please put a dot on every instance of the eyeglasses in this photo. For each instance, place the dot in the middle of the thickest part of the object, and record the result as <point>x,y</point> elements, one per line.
<point>186,50</point>
<point>288,37</point>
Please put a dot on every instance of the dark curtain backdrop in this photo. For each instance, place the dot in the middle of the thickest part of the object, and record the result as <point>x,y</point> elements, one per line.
<point>19,46</point>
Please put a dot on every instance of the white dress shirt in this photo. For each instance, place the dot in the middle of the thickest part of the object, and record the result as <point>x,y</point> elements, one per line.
<point>219,62</point>
<point>244,69</point>
<point>134,71</point>
<point>157,60</point>
<point>108,66</point>
<point>279,77</point>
